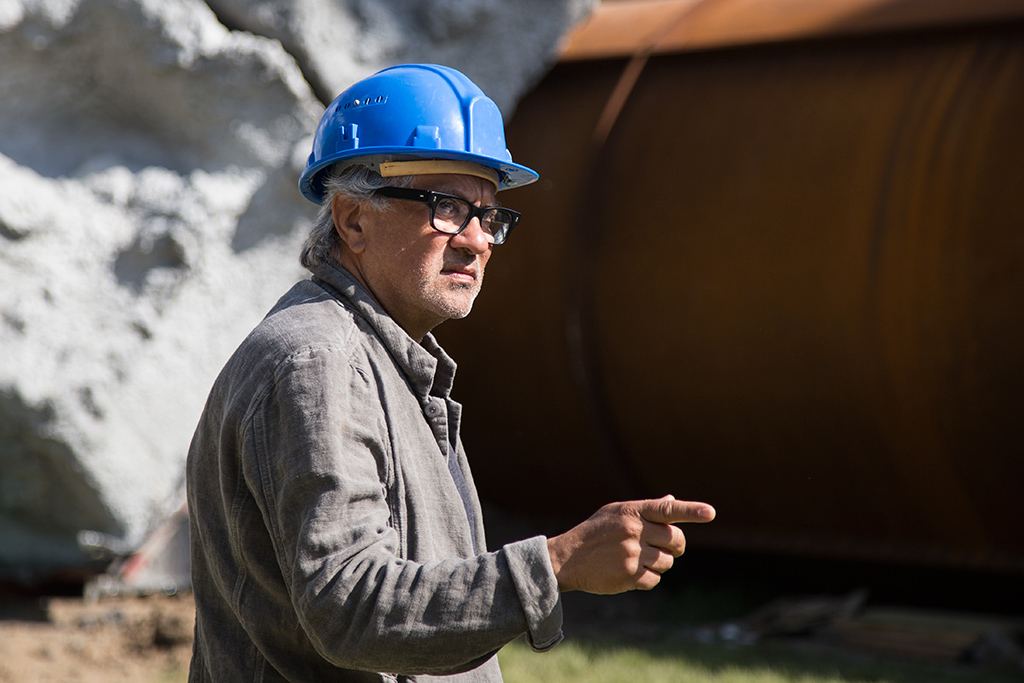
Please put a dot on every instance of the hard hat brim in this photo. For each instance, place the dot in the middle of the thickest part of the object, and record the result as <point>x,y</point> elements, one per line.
<point>510,174</point>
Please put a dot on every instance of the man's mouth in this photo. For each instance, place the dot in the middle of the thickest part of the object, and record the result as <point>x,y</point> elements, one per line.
<point>463,274</point>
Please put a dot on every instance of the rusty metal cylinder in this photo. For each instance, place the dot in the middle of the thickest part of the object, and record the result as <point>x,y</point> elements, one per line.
<point>786,279</point>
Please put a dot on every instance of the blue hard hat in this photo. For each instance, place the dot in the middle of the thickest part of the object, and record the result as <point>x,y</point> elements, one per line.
<point>408,112</point>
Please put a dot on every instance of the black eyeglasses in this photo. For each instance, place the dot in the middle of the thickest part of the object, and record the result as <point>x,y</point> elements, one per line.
<point>451,214</point>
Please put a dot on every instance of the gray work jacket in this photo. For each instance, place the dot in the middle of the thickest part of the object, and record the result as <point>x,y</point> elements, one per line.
<point>329,539</point>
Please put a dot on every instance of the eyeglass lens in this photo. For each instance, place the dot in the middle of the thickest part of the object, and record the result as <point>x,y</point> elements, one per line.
<point>451,214</point>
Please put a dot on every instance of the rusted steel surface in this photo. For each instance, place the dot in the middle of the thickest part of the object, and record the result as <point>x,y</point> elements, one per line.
<point>784,279</point>
<point>638,27</point>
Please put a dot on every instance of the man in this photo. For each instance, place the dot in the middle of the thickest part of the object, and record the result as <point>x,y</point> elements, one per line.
<point>336,531</point>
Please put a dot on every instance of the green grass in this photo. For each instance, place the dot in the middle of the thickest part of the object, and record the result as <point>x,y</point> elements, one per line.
<point>172,675</point>
<point>597,662</point>
<point>573,661</point>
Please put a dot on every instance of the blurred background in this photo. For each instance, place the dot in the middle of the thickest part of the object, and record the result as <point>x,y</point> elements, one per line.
<point>774,262</point>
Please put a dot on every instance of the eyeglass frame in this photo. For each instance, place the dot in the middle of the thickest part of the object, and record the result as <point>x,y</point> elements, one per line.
<point>431,199</point>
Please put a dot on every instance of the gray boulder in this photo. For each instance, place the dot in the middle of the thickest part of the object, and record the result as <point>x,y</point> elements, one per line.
<point>147,164</point>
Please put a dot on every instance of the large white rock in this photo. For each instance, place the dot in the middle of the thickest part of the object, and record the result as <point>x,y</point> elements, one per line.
<point>149,217</point>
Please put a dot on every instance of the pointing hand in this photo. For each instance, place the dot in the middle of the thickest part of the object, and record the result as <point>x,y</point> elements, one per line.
<point>624,546</point>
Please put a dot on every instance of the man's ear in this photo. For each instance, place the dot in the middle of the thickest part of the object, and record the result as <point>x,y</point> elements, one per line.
<point>347,214</point>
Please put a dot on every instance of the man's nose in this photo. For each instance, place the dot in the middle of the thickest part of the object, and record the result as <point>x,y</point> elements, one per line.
<point>473,238</point>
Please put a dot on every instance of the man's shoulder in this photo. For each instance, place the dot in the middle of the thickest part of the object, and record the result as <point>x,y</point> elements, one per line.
<point>310,336</point>
<point>308,316</point>
<point>308,321</point>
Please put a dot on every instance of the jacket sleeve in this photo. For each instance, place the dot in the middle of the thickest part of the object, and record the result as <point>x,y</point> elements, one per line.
<point>318,470</point>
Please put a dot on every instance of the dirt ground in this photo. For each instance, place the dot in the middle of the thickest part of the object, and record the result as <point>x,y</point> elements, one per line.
<point>113,640</point>
<point>148,639</point>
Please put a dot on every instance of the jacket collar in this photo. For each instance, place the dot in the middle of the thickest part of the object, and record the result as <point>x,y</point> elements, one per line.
<point>425,364</point>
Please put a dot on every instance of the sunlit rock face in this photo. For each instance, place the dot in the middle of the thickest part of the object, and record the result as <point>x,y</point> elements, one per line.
<point>504,47</point>
<point>149,217</point>
<point>147,210</point>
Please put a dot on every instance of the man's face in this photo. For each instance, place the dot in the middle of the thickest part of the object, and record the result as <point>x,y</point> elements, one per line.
<point>420,276</point>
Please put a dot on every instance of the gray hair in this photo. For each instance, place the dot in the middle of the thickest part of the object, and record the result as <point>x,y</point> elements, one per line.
<point>357,182</point>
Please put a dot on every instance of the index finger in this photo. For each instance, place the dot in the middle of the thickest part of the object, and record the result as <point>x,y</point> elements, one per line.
<point>668,510</point>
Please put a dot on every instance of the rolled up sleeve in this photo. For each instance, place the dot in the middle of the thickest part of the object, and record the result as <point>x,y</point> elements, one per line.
<point>537,587</point>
